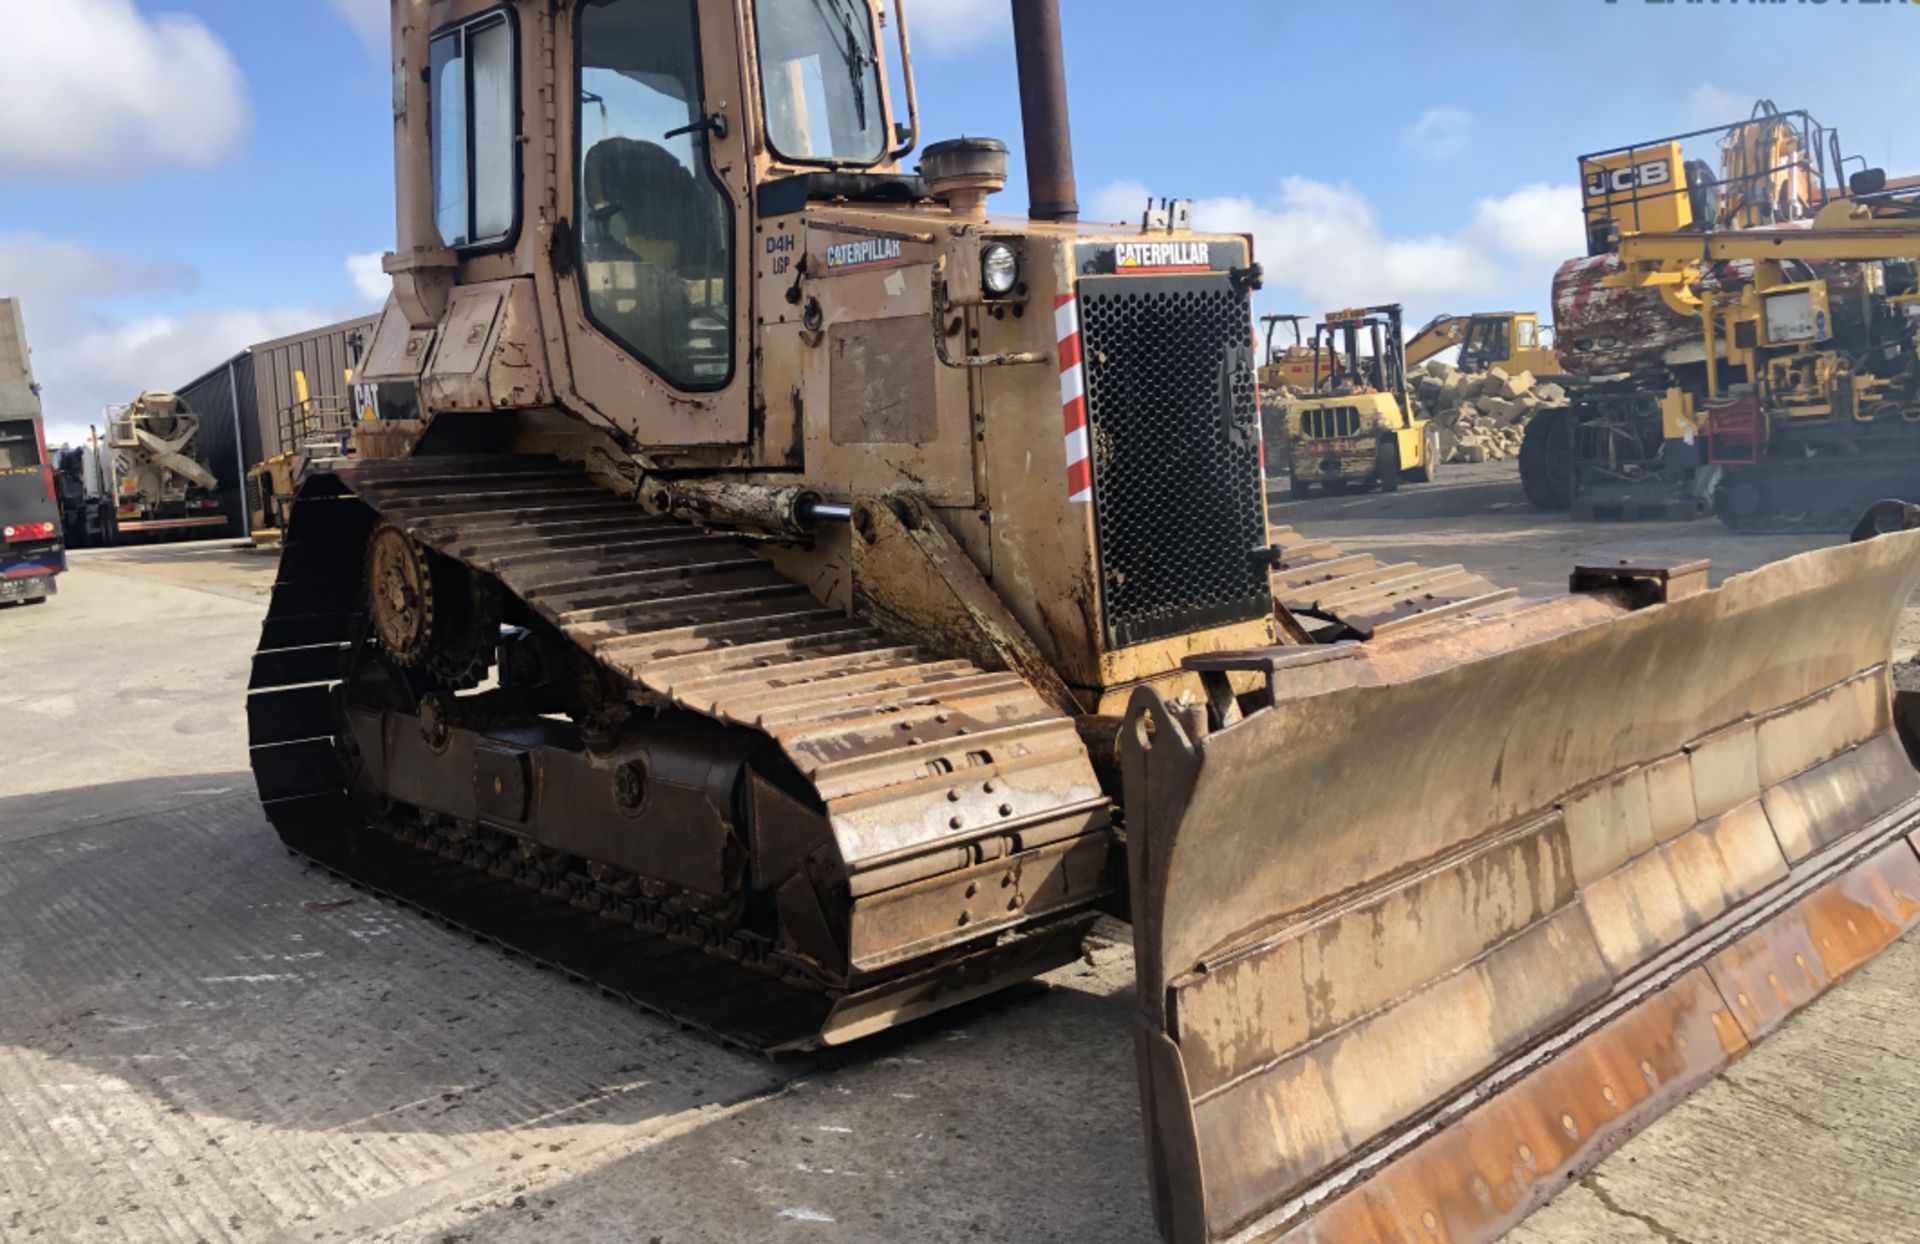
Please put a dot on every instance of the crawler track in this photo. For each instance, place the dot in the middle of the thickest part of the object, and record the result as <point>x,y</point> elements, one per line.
<point>1365,597</point>
<point>693,621</point>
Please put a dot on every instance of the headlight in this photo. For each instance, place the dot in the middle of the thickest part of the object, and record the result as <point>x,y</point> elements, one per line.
<point>999,270</point>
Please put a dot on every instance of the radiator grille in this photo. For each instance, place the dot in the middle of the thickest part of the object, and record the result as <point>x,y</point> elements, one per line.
<point>1178,506</point>
<point>1327,423</point>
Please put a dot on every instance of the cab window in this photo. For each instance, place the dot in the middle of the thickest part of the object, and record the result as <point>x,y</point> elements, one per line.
<point>19,445</point>
<point>1487,339</point>
<point>475,128</point>
<point>1526,334</point>
<point>655,225</point>
<point>820,77</point>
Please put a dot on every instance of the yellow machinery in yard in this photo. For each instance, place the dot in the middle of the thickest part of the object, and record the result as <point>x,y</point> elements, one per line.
<point>1360,427</point>
<point>1509,340</point>
<point>314,434</point>
<point>1286,366</point>
<point>809,588</point>
<point>1750,340</point>
<point>321,433</point>
<point>1808,407</point>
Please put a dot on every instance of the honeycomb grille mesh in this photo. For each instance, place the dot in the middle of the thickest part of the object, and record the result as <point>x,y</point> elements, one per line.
<point>1175,425</point>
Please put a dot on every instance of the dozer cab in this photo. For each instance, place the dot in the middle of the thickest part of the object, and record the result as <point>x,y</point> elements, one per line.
<point>1360,426</point>
<point>806,581</point>
<point>1287,366</point>
<point>1509,340</point>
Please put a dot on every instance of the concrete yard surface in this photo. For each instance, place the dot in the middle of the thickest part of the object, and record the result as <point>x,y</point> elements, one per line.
<point>201,1038</point>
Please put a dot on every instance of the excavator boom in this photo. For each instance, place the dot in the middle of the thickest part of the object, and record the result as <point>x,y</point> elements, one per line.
<point>1510,340</point>
<point>1439,334</point>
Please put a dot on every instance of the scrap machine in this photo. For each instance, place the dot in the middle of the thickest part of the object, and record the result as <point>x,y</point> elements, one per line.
<point>1748,336</point>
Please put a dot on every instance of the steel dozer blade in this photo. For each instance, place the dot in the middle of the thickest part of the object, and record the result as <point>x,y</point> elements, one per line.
<point>1426,926</point>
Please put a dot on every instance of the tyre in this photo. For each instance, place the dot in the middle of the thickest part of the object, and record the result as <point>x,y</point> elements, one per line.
<point>1741,499</point>
<point>1428,473</point>
<point>1300,488</point>
<point>1546,461</point>
<point>1388,471</point>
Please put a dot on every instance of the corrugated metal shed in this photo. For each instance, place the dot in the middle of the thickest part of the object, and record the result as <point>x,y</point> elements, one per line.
<point>325,356</point>
<point>221,444</point>
<point>241,402</point>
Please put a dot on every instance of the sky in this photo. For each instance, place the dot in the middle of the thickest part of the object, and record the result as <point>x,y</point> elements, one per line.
<point>182,178</point>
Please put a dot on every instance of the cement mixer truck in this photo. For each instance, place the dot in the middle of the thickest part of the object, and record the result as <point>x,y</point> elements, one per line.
<point>159,486</point>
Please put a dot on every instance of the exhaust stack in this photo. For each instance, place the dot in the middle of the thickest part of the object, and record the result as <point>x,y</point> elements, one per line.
<point>1051,189</point>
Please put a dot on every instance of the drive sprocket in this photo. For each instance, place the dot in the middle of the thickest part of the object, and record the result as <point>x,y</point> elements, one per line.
<point>400,596</point>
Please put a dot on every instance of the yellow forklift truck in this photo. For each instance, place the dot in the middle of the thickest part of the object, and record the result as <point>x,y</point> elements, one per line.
<point>1360,428</point>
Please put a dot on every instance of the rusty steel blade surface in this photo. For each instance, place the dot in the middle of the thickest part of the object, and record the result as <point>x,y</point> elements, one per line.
<point>1455,913</point>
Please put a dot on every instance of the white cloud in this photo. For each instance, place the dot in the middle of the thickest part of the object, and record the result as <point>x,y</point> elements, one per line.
<point>34,268</point>
<point>1441,133</point>
<point>1326,243</point>
<point>82,373</point>
<point>369,278</point>
<point>1541,223</point>
<point>97,88</point>
<point>1324,246</point>
<point>87,356</point>
<point>1709,105</point>
<point>951,27</point>
<point>370,20</point>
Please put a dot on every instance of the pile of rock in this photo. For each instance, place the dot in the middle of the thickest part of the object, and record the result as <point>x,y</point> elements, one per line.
<point>1481,416</point>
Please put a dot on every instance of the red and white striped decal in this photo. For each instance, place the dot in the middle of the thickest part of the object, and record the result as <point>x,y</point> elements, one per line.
<point>1073,397</point>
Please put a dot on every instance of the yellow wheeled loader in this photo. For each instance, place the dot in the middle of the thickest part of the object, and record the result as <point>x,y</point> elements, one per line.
<point>315,433</point>
<point>808,587</point>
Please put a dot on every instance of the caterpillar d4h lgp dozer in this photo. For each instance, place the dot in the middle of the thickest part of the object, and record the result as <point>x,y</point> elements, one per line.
<point>804,581</point>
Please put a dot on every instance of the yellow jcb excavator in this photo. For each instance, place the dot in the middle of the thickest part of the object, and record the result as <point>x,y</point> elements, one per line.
<point>1509,340</point>
<point>1765,363</point>
<point>807,581</point>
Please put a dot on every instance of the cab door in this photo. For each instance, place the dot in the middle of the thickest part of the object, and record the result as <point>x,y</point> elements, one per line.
<point>1486,343</point>
<point>651,275</point>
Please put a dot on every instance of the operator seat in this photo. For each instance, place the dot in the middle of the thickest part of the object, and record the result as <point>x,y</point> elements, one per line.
<point>642,202</point>
<point>652,233</point>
